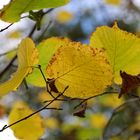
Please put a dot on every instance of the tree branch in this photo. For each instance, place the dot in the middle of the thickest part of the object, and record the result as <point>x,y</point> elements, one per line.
<point>84,100</point>
<point>115,112</point>
<point>39,110</point>
<point>6,27</point>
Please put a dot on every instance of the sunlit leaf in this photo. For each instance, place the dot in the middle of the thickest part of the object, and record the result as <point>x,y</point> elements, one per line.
<point>11,54</point>
<point>27,58</point>
<point>64,16</point>
<point>84,69</point>
<point>110,100</point>
<point>12,11</point>
<point>98,120</point>
<point>88,133</point>
<point>29,129</point>
<point>14,34</point>
<point>51,123</point>
<point>114,2</point>
<point>46,50</point>
<point>123,49</point>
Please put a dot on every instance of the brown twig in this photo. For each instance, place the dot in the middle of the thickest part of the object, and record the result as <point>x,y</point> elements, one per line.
<point>46,81</point>
<point>53,108</point>
<point>6,27</point>
<point>57,100</point>
<point>39,110</point>
<point>115,112</point>
<point>84,100</point>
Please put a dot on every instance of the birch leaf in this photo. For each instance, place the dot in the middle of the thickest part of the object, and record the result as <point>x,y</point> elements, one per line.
<point>30,129</point>
<point>84,69</point>
<point>123,49</point>
<point>12,11</point>
<point>27,58</point>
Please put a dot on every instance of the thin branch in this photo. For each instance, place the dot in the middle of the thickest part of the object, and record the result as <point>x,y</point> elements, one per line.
<point>25,84</point>
<point>115,112</point>
<point>30,35</point>
<point>46,81</point>
<point>53,108</point>
<point>32,31</point>
<point>48,11</point>
<point>84,100</point>
<point>39,66</point>
<point>39,110</point>
<point>45,30</point>
<point>44,13</point>
<point>56,100</point>
<point>15,57</point>
<point>2,54</point>
<point>6,27</point>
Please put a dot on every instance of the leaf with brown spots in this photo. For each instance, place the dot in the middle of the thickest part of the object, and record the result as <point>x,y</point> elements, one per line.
<point>84,69</point>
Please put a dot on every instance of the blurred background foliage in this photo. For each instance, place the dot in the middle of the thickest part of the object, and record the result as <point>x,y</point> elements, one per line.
<point>106,117</point>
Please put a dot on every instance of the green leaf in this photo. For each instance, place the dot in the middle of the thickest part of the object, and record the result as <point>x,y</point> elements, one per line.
<point>12,11</point>
<point>123,49</point>
<point>46,50</point>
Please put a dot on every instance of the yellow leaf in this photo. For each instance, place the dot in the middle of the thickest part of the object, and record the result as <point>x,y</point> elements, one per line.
<point>111,100</point>
<point>98,120</point>
<point>15,34</point>
<point>29,129</point>
<point>11,54</point>
<point>123,49</point>
<point>84,69</point>
<point>64,16</point>
<point>27,58</point>
<point>114,2</point>
<point>51,123</point>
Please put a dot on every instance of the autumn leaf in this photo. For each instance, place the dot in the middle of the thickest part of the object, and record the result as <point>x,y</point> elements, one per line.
<point>12,11</point>
<point>81,111</point>
<point>46,50</point>
<point>98,120</point>
<point>111,100</point>
<point>27,58</point>
<point>123,49</point>
<point>84,69</point>
<point>29,129</point>
<point>2,111</point>
<point>51,123</point>
<point>15,34</point>
<point>129,82</point>
<point>114,2</point>
<point>64,17</point>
